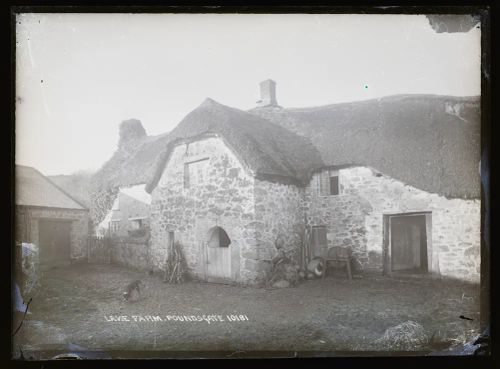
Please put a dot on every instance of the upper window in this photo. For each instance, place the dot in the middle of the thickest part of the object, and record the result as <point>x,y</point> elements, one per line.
<point>329,182</point>
<point>195,173</point>
<point>114,225</point>
<point>137,223</point>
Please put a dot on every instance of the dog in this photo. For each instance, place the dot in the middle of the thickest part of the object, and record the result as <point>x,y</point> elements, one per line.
<point>131,287</point>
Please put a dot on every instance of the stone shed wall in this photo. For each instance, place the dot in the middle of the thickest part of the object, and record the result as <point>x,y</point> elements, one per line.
<point>224,199</point>
<point>278,212</point>
<point>27,226</point>
<point>355,218</point>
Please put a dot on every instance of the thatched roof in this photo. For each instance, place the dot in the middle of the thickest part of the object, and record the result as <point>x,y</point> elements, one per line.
<point>267,149</point>
<point>133,163</point>
<point>430,142</point>
<point>35,189</point>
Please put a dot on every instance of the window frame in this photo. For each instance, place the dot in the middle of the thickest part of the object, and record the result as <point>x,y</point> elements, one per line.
<point>189,168</point>
<point>114,225</point>
<point>321,180</point>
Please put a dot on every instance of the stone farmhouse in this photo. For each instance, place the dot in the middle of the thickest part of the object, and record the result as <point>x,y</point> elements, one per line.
<point>50,218</point>
<point>395,179</point>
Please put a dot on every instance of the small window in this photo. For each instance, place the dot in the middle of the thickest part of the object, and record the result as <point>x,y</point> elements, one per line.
<point>334,185</point>
<point>329,183</point>
<point>137,223</point>
<point>114,225</point>
<point>195,173</point>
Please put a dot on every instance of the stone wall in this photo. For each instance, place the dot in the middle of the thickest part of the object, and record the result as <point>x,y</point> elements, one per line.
<point>225,198</point>
<point>342,214</point>
<point>278,212</point>
<point>131,252</point>
<point>27,226</point>
<point>355,218</point>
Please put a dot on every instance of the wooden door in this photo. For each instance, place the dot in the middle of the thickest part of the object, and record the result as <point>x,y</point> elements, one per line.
<point>218,256</point>
<point>55,241</point>
<point>408,243</point>
<point>319,241</point>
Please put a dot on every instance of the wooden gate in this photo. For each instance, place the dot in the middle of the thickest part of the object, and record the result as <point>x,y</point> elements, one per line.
<point>99,249</point>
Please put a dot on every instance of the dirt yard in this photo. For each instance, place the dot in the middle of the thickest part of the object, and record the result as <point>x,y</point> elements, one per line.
<point>78,307</point>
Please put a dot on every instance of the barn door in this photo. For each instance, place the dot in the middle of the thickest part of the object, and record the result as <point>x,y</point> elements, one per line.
<point>55,242</point>
<point>408,243</point>
<point>218,256</point>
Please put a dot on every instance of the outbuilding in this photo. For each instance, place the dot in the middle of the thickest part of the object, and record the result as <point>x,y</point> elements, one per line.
<point>50,218</point>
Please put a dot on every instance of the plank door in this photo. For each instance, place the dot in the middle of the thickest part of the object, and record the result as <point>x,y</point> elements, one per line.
<point>319,241</point>
<point>219,256</point>
<point>408,243</point>
<point>55,241</point>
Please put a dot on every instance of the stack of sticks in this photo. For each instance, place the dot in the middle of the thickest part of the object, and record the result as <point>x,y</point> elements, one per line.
<point>174,265</point>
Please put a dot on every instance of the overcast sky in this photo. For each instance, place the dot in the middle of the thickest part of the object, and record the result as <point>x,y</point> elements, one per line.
<point>80,75</point>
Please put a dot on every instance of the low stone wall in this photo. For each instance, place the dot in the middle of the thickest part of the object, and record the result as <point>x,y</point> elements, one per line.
<point>131,252</point>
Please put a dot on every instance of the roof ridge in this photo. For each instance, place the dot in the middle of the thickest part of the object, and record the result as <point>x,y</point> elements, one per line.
<point>386,97</point>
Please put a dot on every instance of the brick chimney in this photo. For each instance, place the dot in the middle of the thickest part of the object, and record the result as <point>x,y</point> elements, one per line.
<point>267,93</point>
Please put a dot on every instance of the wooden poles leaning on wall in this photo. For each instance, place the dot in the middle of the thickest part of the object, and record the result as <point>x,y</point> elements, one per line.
<point>168,254</point>
<point>305,254</point>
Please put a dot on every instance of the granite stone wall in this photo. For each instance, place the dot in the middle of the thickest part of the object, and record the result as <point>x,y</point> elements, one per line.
<point>278,213</point>
<point>355,218</point>
<point>131,252</point>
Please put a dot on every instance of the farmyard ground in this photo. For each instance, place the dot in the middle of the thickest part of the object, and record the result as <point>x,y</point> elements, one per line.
<point>76,304</point>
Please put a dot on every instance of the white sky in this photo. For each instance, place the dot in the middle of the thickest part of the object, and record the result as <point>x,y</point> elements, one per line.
<point>100,69</point>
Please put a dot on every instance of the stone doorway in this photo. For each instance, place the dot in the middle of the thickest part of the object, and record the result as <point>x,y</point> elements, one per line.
<point>218,252</point>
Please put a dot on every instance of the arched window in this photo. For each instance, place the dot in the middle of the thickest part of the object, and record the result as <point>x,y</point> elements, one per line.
<point>218,238</point>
